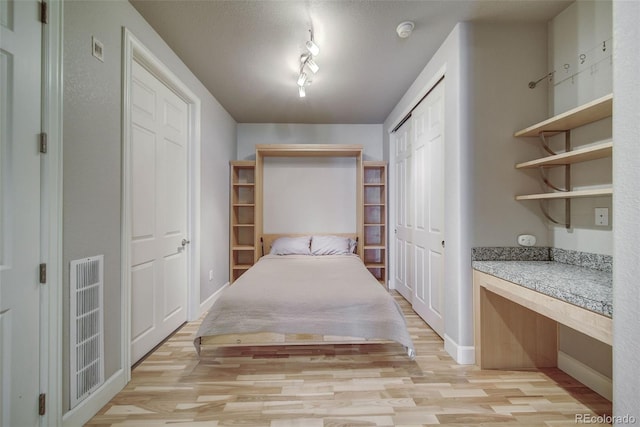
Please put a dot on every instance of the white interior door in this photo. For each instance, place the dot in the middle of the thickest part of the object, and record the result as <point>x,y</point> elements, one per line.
<point>403,250</point>
<point>20,124</point>
<point>428,233</point>
<point>159,149</point>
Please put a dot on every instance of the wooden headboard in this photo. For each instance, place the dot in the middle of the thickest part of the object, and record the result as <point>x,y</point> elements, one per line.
<point>268,239</point>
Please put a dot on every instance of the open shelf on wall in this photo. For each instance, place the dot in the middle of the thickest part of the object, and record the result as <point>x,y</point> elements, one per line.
<point>587,113</point>
<point>564,123</point>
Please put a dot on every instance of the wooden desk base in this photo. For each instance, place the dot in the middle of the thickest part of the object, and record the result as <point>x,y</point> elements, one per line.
<point>517,328</point>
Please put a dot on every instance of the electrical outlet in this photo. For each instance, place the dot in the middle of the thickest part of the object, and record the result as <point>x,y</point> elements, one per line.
<point>602,216</point>
<point>210,275</point>
<point>526,240</point>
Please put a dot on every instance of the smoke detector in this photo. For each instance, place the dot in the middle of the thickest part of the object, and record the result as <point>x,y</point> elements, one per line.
<point>404,29</point>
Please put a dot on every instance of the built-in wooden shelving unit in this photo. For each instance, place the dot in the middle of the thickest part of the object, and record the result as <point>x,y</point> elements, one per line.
<point>374,193</point>
<point>242,218</point>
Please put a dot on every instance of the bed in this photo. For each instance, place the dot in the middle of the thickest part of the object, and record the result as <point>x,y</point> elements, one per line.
<point>330,294</point>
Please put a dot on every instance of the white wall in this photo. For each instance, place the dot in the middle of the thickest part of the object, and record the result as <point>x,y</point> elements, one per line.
<point>503,59</point>
<point>309,195</point>
<point>251,134</point>
<point>626,174</point>
<point>93,153</point>
<point>449,60</point>
<point>581,29</point>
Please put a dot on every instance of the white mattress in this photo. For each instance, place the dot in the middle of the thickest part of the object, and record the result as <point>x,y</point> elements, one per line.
<point>297,294</point>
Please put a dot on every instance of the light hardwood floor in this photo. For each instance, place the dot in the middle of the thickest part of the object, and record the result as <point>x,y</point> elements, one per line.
<point>339,385</point>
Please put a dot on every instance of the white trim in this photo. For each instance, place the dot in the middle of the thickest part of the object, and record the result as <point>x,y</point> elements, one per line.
<point>208,303</point>
<point>462,354</point>
<point>86,409</point>
<point>134,49</point>
<point>588,376</point>
<point>51,350</point>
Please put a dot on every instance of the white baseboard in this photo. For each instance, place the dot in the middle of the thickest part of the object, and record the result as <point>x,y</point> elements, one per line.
<point>588,376</point>
<point>463,355</point>
<point>208,303</point>
<point>86,409</point>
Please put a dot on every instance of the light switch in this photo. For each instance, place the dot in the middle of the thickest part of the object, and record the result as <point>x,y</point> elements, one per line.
<point>602,216</point>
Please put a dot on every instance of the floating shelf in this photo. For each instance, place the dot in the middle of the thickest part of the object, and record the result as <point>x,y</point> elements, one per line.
<point>567,195</point>
<point>242,248</point>
<point>575,156</point>
<point>576,117</point>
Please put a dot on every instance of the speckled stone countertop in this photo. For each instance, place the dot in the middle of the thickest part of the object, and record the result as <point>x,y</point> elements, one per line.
<point>585,287</point>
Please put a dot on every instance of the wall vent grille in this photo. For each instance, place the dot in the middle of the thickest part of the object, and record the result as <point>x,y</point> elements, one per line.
<point>86,327</point>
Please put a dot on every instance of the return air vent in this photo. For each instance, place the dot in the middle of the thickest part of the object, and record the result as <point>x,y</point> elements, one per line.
<point>86,327</point>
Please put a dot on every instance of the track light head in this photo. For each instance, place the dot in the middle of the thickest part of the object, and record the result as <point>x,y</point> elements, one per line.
<point>302,79</point>
<point>312,47</point>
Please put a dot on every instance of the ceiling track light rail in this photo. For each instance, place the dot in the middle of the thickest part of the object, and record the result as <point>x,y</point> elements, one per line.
<point>307,62</point>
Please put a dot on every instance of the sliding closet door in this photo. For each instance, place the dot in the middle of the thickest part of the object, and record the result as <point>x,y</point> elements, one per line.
<point>428,233</point>
<point>403,250</point>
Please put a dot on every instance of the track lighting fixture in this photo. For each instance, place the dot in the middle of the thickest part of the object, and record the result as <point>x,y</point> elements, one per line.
<point>306,60</point>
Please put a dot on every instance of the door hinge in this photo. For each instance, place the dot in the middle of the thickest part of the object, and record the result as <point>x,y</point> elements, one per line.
<point>44,12</point>
<point>42,404</point>
<point>43,273</point>
<point>43,143</point>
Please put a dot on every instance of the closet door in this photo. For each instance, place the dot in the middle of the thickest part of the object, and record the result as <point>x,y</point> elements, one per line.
<point>403,251</point>
<point>428,189</point>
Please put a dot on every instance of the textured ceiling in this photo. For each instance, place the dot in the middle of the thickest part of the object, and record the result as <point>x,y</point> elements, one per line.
<point>247,53</point>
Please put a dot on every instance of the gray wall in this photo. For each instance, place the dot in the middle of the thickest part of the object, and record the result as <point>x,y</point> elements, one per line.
<point>452,58</point>
<point>92,157</point>
<point>626,174</point>
<point>487,67</point>
<point>250,134</point>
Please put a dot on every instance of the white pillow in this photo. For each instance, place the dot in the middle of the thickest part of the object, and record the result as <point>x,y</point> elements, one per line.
<point>353,245</point>
<point>291,246</point>
<point>330,245</point>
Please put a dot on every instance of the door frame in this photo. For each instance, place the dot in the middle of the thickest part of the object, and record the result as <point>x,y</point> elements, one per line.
<point>134,50</point>
<point>51,294</point>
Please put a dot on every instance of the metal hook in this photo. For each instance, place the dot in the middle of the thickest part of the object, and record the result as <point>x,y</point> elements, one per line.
<point>533,84</point>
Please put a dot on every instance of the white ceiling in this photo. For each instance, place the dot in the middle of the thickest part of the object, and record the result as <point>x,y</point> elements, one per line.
<point>247,53</point>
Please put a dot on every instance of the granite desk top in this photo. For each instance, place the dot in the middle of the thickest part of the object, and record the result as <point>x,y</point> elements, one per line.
<point>582,286</point>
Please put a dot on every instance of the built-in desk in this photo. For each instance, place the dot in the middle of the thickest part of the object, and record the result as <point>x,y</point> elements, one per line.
<point>519,304</point>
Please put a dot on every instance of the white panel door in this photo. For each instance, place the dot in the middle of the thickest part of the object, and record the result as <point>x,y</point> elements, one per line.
<point>403,249</point>
<point>20,123</point>
<point>159,212</point>
<point>428,232</point>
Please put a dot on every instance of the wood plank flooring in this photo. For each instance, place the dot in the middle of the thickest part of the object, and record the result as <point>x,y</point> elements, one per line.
<point>333,385</point>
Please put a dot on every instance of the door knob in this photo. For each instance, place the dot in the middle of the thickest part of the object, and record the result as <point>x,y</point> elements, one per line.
<point>185,242</point>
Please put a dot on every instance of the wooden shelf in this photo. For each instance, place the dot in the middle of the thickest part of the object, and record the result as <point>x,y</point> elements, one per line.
<point>243,225</point>
<point>243,205</point>
<point>243,248</point>
<point>594,152</point>
<point>576,117</point>
<point>244,184</point>
<point>374,204</point>
<point>374,247</point>
<point>567,195</point>
<point>375,265</point>
<point>242,266</point>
